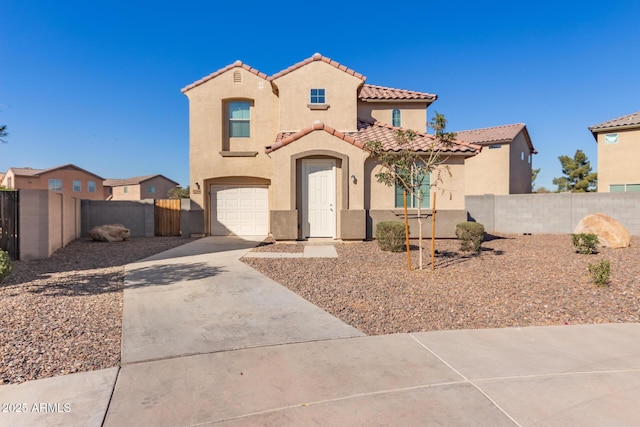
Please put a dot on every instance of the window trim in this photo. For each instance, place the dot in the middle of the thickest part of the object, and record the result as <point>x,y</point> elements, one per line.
<point>74,182</point>
<point>55,181</point>
<point>91,187</point>
<point>396,118</point>
<point>411,198</point>
<point>240,120</point>
<point>320,98</point>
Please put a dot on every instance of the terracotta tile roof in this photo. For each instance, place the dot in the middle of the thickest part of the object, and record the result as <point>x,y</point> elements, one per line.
<point>624,121</point>
<point>286,138</point>
<point>237,64</point>
<point>317,57</point>
<point>496,135</point>
<point>371,131</point>
<point>132,181</point>
<point>381,93</point>
<point>386,134</point>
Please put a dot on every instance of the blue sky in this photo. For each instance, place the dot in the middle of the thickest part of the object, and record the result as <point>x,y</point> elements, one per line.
<point>98,83</point>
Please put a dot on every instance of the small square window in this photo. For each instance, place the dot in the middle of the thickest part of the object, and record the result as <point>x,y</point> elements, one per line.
<point>77,186</point>
<point>611,138</point>
<point>151,189</point>
<point>317,96</point>
<point>91,186</point>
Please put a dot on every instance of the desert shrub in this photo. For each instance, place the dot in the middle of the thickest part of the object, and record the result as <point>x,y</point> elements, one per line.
<point>5,264</point>
<point>390,236</point>
<point>600,272</point>
<point>585,243</point>
<point>471,236</point>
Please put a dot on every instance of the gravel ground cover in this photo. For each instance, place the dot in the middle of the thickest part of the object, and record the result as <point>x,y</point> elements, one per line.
<point>64,314</point>
<point>517,280</point>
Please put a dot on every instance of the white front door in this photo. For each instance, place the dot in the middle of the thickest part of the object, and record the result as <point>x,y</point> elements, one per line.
<point>319,198</point>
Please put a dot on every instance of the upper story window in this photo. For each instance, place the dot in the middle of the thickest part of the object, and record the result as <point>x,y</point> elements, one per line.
<point>151,189</point>
<point>91,186</point>
<point>55,184</point>
<point>77,186</point>
<point>239,119</point>
<point>611,138</point>
<point>395,118</point>
<point>318,96</point>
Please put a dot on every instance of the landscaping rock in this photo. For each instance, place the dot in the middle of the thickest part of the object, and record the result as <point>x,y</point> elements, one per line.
<point>610,232</point>
<point>109,233</point>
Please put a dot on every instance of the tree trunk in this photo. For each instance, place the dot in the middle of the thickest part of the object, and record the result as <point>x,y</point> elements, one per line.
<point>406,231</point>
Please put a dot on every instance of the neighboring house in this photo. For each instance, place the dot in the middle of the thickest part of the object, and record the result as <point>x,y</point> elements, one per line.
<point>138,188</point>
<point>67,179</point>
<point>505,164</point>
<point>284,153</point>
<point>618,153</point>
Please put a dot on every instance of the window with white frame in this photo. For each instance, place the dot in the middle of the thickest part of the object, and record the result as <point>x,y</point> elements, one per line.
<point>151,189</point>
<point>395,118</point>
<point>91,186</point>
<point>55,184</point>
<point>239,119</point>
<point>412,199</point>
<point>77,186</point>
<point>317,96</point>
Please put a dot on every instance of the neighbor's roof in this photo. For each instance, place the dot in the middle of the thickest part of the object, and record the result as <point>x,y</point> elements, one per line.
<point>628,121</point>
<point>37,172</point>
<point>373,131</point>
<point>132,181</point>
<point>496,135</point>
<point>381,93</point>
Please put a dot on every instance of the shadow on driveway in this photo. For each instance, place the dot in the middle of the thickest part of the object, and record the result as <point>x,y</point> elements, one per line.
<point>160,275</point>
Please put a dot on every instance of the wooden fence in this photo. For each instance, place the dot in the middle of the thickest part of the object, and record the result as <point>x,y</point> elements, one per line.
<point>167,217</point>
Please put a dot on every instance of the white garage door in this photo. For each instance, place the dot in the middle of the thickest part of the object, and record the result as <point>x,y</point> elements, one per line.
<point>239,209</point>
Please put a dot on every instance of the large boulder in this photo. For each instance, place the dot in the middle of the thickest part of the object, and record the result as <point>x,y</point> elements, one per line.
<point>109,233</point>
<point>610,232</point>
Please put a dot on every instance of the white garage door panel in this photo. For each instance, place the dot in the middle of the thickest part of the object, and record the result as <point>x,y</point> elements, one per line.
<point>240,210</point>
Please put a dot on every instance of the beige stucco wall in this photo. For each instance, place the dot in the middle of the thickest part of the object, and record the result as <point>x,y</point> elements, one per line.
<point>618,163</point>
<point>317,143</point>
<point>412,115</point>
<point>450,191</point>
<point>488,171</point>
<point>340,91</point>
<point>126,192</point>
<point>208,127</point>
<point>520,166</point>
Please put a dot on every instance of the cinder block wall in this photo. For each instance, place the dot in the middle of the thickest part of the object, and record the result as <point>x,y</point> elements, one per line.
<point>136,215</point>
<point>48,221</point>
<point>551,213</point>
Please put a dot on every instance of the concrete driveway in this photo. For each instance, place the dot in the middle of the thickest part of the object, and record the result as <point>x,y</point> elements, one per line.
<point>209,341</point>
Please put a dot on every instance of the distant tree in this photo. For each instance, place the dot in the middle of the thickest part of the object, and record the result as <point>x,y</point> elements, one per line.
<point>178,193</point>
<point>3,133</point>
<point>534,175</point>
<point>578,177</point>
<point>542,190</point>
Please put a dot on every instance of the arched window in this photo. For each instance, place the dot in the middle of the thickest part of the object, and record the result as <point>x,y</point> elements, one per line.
<point>395,118</point>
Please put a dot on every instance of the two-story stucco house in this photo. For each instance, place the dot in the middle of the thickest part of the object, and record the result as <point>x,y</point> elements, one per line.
<point>138,187</point>
<point>505,164</point>
<point>67,179</point>
<point>284,154</point>
<point>618,153</point>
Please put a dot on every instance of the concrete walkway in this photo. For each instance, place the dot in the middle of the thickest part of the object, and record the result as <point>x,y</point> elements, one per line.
<point>207,340</point>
